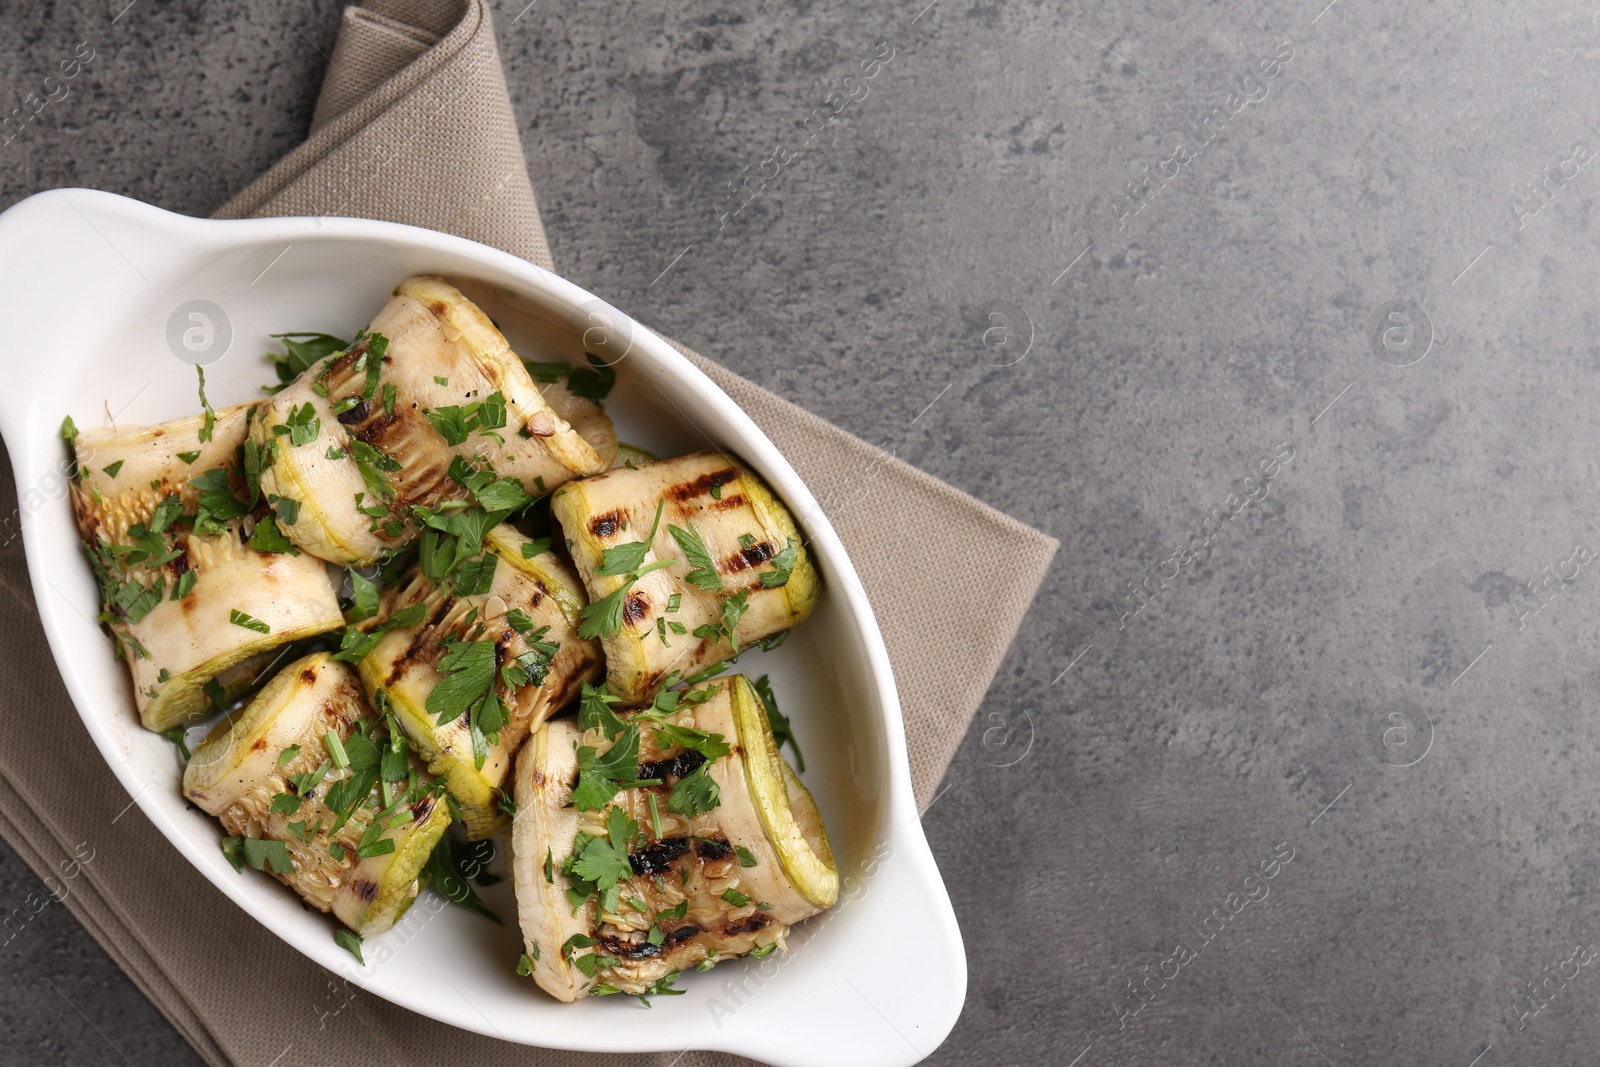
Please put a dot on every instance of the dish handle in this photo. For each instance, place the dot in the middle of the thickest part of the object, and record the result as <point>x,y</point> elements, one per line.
<point>61,251</point>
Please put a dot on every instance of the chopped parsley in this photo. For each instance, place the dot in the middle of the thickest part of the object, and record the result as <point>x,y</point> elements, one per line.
<point>356,644</point>
<point>704,574</point>
<point>111,469</point>
<point>474,576</point>
<point>593,382</point>
<point>260,853</point>
<point>695,793</point>
<point>249,622</point>
<point>179,736</point>
<point>601,775</point>
<point>210,424</point>
<point>603,617</point>
<point>187,457</point>
<point>301,351</point>
<point>455,423</point>
<point>286,508</point>
<point>364,593</point>
<point>285,804</point>
<point>217,504</point>
<point>468,688</point>
<point>350,941</point>
<point>604,860</point>
<point>782,566</point>
<point>620,559</point>
<point>268,536</point>
<point>302,426</point>
<point>733,609</point>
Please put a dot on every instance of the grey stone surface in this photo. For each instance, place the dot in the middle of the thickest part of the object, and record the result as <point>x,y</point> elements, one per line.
<point>1367,668</point>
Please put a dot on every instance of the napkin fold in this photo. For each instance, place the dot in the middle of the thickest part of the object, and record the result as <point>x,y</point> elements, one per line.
<point>415,125</point>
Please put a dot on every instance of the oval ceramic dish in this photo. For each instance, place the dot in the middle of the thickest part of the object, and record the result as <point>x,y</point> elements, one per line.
<point>92,286</point>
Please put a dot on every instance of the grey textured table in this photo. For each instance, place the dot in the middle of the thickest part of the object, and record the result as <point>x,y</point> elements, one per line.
<point>1279,316</point>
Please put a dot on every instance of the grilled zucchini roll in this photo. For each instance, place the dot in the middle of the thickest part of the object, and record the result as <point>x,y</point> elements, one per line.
<point>312,787</point>
<point>199,586</point>
<point>374,441</point>
<point>492,664</point>
<point>686,562</point>
<point>671,839</point>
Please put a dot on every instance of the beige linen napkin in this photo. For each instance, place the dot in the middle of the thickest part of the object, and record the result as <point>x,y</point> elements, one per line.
<point>414,125</point>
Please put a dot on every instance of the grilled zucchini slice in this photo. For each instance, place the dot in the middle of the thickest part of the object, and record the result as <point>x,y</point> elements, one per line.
<point>160,514</point>
<point>429,382</point>
<point>529,616</point>
<point>663,886</point>
<point>270,774</point>
<point>728,542</point>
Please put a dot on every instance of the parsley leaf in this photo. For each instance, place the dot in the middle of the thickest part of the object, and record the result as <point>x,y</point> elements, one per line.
<point>468,686</point>
<point>302,426</point>
<point>249,622</point>
<point>286,508</point>
<point>493,492</point>
<point>695,793</point>
<point>350,941</point>
<point>704,575</point>
<point>711,746</point>
<point>301,350</point>
<point>210,424</point>
<point>474,576</point>
<point>166,512</point>
<point>364,592</point>
<point>594,711</point>
<point>620,559</point>
<point>604,860</point>
<point>217,504</point>
<point>601,775</point>
<point>259,853</point>
<point>733,609</point>
<point>113,469</point>
<point>593,382</point>
<point>451,422</point>
<point>269,537</point>
<point>603,617</point>
<point>782,566</point>
<point>447,871</point>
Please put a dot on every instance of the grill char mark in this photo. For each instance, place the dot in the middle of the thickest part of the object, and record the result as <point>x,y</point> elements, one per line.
<point>757,921</point>
<point>635,607</point>
<point>658,856</point>
<point>746,558</point>
<point>703,485</point>
<point>671,768</point>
